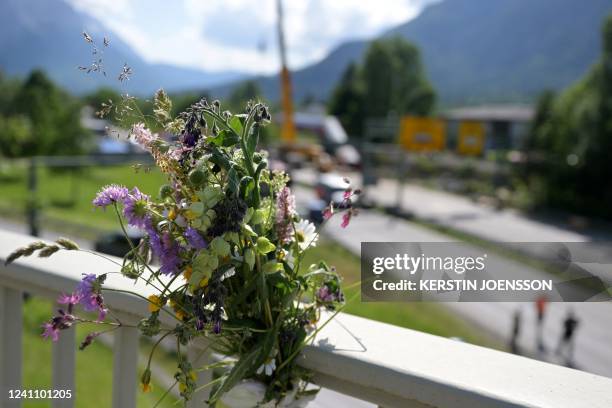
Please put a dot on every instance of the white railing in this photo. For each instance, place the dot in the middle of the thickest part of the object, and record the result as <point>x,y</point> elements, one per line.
<point>383,364</point>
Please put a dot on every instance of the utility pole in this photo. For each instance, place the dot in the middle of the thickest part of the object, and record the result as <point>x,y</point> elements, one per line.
<point>32,210</point>
<point>288,128</point>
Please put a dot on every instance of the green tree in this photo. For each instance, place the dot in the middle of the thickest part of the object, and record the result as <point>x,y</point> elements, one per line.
<point>347,101</point>
<point>394,79</point>
<point>54,116</point>
<point>16,136</point>
<point>391,80</point>
<point>242,93</point>
<point>571,138</point>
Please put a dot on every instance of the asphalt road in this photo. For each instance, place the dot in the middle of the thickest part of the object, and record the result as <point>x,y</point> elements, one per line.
<point>593,346</point>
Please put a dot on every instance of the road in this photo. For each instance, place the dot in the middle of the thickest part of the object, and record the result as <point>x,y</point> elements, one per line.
<point>593,350</point>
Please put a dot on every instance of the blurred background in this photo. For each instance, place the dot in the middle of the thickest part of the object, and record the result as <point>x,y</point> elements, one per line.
<point>472,120</point>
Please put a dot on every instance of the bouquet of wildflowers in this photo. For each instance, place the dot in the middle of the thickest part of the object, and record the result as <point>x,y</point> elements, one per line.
<point>223,251</point>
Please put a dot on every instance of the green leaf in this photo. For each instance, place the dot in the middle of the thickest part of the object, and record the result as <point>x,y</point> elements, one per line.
<point>220,247</point>
<point>237,123</point>
<point>272,266</point>
<point>249,230</point>
<point>220,159</point>
<point>262,165</point>
<point>264,245</point>
<point>252,139</point>
<point>225,138</point>
<point>258,217</point>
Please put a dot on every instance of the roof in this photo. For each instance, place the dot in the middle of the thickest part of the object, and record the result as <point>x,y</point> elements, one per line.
<point>488,113</point>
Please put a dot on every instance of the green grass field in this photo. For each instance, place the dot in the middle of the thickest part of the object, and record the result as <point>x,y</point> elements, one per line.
<point>66,195</point>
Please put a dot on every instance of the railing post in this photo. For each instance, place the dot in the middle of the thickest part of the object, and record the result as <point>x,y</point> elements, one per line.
<point>64,360</point>
<point>199,358</point>
<point>125,350</point>
<point>11,303</point>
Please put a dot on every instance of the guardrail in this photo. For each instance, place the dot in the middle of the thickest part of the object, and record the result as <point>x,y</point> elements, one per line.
<point>383,364</point>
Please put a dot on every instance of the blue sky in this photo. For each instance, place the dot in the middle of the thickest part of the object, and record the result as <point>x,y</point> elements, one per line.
<point>240,35</point>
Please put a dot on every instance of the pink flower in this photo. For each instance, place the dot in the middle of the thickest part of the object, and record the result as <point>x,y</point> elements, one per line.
<point>346,218</point>
<point>347,193</point>
<point>71,299</point>
<point>143,136</point>
<point>285,209</point>
<point>328,212</point>
<point>50,332</point>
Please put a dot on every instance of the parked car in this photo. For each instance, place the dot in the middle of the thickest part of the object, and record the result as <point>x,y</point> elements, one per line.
<point>329,188</point>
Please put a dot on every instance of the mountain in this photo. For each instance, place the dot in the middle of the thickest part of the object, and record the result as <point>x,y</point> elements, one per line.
<point>481,50</point>
<point>47,34</point>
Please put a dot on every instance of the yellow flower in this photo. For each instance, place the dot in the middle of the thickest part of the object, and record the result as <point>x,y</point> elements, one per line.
<point>146,387</point>
<point>204,282</point>
<point>154,303</point>
<point>172,215</point>
<point>182,387</point>
<point>187,273</point>
<point>180,314</point>
<point>193,375</point>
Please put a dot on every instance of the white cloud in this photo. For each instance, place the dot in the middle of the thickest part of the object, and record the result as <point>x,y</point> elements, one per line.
<point>229,34</point>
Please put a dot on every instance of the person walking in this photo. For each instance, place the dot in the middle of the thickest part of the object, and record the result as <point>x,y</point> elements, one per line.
<point>566,342</point>
<point>540,304</point>
<point>516,331</point>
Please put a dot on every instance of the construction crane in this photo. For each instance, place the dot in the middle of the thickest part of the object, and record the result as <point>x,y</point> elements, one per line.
<point>288,126</point>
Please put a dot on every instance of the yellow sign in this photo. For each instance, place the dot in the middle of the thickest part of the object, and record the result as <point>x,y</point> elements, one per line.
<point>422,134</point>
<point>471,138</point>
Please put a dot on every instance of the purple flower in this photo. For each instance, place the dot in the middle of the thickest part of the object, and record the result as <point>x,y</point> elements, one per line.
<point>154,239</point>
<point>324,294</point>
<point>50,332</point>
<point>195,239</point>
<point>189,139</point>
<point>135,208</point>
<point>164,248</point>
<point>85,289</point>
<point>109,195</point>
<point>169,257</point>
<point>59,322</point>
<point>89,296</point>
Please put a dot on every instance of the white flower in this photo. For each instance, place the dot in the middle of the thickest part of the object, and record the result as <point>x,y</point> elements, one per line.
<point>268,366</point>
<point>305,234</point>
<point>288,257</point>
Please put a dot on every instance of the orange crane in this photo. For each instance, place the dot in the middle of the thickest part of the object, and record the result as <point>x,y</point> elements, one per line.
<point>288,127</point>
